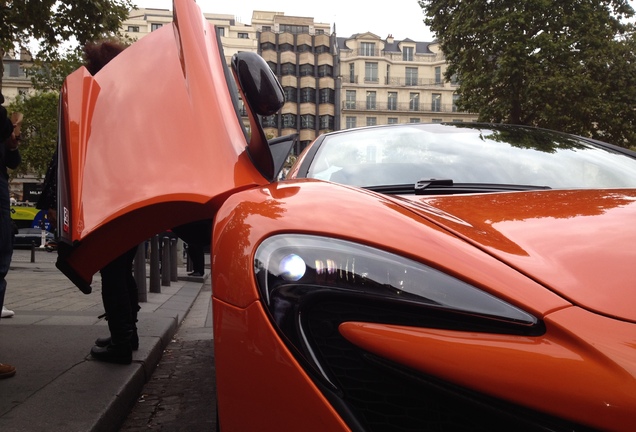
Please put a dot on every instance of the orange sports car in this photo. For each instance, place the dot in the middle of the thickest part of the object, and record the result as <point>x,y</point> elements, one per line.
<point>446,277</point>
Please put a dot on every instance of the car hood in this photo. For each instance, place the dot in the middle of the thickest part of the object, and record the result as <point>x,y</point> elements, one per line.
<point>577,243</point>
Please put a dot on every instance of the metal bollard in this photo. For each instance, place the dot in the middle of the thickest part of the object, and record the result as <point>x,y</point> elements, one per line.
<point>140,273</point>
<point>155,285</point>
<point>165,261</point>
<point>174,276</point>
<point>32,252</point>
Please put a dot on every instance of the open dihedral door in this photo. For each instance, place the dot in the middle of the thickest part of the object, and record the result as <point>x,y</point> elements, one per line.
<point>151,141</point>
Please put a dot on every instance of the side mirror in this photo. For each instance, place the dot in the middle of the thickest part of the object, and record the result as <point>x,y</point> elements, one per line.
<point>258,84</point>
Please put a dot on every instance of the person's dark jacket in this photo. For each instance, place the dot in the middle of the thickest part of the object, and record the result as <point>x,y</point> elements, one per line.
<point>8,158</point>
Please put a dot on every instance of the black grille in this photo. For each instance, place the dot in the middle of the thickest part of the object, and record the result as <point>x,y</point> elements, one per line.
<point>373,394</point>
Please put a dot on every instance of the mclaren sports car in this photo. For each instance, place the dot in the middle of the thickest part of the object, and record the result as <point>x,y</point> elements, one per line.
<point>416,277</point>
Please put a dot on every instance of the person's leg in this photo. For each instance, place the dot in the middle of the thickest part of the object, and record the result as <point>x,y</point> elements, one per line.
<point>6,251</point>
<point>118,311</point>
<point>196,254</point>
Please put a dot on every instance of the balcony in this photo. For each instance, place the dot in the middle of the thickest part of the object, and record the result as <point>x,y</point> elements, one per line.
<point>401,107</point>
<point>413,82</point>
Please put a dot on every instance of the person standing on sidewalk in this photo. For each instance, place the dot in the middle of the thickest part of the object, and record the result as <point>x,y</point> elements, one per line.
<point>9,158</point>
<point>119,288</point>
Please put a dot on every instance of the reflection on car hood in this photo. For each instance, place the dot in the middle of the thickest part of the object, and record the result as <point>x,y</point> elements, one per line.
<point>578,243</point>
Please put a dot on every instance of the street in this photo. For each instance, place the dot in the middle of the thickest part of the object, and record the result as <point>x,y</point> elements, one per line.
<point>180,395</point>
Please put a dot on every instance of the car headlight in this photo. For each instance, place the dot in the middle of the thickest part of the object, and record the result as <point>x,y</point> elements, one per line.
<point>299,274</point>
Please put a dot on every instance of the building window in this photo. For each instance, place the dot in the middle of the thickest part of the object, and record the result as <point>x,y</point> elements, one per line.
<point>392,120</point>
<point>133,29</point>
<point>350,122</point>
<point>407,54</point>
<point>411,76</point>
<point>371,105</point>
<point>350,99</point>
<point>414,120</point>
<point>458,121</point>
<point>372,121</point>
<point>327,95</point>
<point>326,122</point>
<point>155,26</point>
<point>269,121</point>
<point>352,73</point>
<point>436,120</point>
<point>325,70</point>
<point>367,49</point>
<point>392,101</point>
<point>304,48</point>
<point>287,69</point>
<point>307,121</point>
<point>436,102</point>
<point>306,70</point>
<point>438,75</point>
<point>220,31</point>
<point>243,36</point>
<point>320,49</point>
<point>307,94</point>
<point>285,47</point>
<point>265,46</point>
<point>266,29</point>
<point>290,94</point>
<point>289,121</point>
<point>295,29</point>
<point>371,72</point>
<point>414,101</point>
<point>454,80</point>
<point>455,98</point>
<point>320,31</point>
<point>272,66</point>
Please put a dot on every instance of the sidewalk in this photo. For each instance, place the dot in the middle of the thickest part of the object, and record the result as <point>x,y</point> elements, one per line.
<point>57,385</point>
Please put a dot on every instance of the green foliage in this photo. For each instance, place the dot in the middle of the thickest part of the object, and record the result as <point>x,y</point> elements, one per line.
<point>49,71</point>
<point>54,22</point>
<point>39,131</point>
<point>567,65</point>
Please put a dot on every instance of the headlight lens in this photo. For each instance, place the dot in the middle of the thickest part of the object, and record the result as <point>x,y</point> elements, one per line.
<point>311,284</point>
<point>343,265</point>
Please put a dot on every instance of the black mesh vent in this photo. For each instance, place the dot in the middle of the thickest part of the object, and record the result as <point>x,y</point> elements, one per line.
<point>385,397</point>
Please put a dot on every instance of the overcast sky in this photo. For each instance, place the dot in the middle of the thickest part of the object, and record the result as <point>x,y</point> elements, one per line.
<point>401,18</point>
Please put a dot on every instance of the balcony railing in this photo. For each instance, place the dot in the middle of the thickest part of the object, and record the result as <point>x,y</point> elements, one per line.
<point>421,107</point>
<point>392,56</point>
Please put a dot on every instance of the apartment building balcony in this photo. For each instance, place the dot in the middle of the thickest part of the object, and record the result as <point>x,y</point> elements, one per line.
<point>398,107</point>
<point>392,56</point>
<point>416,82</point>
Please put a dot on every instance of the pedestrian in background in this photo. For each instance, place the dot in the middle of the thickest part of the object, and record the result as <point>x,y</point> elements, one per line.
<point>9,158</point>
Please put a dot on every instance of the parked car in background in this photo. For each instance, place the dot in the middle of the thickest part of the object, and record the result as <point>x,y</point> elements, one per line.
<point>26,237</point>
<point>453,277</point>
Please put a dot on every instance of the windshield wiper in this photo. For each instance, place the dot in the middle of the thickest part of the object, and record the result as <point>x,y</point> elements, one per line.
<point>448,187</point>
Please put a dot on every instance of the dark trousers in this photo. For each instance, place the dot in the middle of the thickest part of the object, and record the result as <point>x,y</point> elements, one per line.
<point>120,297</point>
<point>6,235</point>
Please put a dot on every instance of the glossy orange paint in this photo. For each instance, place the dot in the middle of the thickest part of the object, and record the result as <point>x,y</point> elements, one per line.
<point>261,385</point>
<point>142,143</point>
<point>575,242</point>
<point>588,377</point>
<point>295,206</point>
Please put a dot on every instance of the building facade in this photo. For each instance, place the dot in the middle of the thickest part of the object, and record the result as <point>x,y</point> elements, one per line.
<point>331,82</point>
<point>388,81</point>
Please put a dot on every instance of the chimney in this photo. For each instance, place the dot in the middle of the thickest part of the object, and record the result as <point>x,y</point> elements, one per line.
<point>389,39</point>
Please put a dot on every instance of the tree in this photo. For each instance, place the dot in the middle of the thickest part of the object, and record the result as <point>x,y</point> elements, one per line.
<point>567,65</point>
<point>52,23</point>
<point>39,131</point>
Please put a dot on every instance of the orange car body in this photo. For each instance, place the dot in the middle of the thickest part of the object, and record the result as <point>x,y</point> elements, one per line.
<point>153,141</point>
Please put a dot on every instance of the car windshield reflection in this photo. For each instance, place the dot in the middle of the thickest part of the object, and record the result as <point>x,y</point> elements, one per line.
<point>469,154</point>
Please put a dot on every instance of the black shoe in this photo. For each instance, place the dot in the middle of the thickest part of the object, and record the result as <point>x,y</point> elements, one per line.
<point>105,341</point>
<point>120,354</point>
<point>195,274</point>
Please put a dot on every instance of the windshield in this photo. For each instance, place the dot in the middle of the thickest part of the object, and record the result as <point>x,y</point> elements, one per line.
<point>469,153</point>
